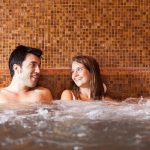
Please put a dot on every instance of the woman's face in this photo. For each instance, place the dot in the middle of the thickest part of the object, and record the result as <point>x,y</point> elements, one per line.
<point>80,75</point>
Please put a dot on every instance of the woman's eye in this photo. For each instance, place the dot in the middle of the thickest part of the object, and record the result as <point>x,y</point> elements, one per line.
<point>79,69</point>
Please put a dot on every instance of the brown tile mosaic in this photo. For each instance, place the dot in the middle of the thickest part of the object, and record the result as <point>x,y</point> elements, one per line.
<point>116,33</point>
<point>56,83</point>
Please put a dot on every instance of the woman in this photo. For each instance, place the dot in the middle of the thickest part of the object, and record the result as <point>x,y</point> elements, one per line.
<point>87,82</point>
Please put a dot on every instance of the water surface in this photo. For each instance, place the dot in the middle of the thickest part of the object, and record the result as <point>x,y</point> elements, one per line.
<point>76,125</point>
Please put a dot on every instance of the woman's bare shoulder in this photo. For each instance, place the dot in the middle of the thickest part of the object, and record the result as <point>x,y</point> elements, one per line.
<point>67,95</point>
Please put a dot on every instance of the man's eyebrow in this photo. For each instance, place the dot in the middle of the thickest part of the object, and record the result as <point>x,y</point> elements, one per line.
<point>34,62</point>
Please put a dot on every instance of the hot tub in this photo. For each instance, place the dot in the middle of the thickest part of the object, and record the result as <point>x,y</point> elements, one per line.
<point>76,125</point>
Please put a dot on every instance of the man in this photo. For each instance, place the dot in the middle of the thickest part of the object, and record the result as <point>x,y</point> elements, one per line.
<point>24,66</point>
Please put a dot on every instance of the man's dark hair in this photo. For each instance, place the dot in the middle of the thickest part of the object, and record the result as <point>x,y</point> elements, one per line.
<point>19,54</point>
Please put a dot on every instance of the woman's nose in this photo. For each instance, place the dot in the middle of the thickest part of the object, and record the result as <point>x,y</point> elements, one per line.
<point>75,73</point>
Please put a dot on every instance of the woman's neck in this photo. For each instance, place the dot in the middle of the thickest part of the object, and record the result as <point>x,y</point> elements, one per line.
<point>85,94</point>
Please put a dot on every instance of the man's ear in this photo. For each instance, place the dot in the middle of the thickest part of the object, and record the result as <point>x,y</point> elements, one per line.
<point>16,69</point>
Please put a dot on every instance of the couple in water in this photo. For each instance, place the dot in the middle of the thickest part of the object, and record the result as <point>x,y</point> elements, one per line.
<point>24,66</point>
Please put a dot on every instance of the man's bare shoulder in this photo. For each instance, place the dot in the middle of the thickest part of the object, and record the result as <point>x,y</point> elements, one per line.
<point>3,95</point>
<point>41,89</point>
<point>3,91</point>
<point>44,92</point>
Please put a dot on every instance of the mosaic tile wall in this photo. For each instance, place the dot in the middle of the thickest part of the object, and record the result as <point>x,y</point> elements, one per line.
<point>115,32</point>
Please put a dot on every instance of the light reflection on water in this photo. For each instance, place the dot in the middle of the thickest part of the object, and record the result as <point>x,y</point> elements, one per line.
<point>76,125</point>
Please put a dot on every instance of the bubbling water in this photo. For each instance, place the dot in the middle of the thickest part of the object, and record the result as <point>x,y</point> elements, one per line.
<point>76,125</point>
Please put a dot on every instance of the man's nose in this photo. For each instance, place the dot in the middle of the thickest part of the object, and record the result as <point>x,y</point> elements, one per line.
<point>37,69</point>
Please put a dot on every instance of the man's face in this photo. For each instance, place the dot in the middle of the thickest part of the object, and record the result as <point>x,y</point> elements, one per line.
<point>30,70</point>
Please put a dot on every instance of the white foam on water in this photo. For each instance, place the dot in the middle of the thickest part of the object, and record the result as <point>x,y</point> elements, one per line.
<point>64,110</point>
<point>103,110</point>
<point>77,123</point>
